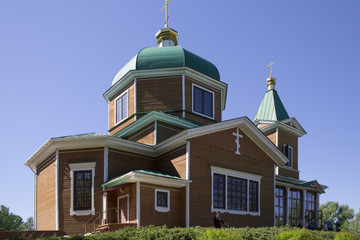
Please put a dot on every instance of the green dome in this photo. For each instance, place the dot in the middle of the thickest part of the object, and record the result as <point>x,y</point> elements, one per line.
<point>168,57</point>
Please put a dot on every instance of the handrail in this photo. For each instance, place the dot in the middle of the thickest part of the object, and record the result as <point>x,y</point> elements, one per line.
<point>99,217</point>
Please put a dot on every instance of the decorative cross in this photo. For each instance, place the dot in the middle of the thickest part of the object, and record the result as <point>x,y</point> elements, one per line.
<point>166,12</point>
<point>270,65</point>
<point>237,141</point>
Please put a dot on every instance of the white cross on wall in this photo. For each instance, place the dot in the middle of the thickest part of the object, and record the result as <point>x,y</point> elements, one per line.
<point>237,141</point>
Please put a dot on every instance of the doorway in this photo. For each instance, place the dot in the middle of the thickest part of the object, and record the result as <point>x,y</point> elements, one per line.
<point>123,209</point>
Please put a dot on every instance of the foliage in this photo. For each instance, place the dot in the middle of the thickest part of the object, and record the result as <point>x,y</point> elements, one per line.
<point>299,234</point>
<point>346,236</point>
<point>218,234</point>
<point>357,216</point>
<point>335,212</point>
<point>8,220</point>
<point>28,225</point>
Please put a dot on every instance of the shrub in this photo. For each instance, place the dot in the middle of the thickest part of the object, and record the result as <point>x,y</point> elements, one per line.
<point>300,234</point>
<point>218,234</point>
<point>346,236</point>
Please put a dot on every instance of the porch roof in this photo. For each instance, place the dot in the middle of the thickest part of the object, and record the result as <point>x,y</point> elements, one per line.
<point>281,180</point>
<point>147,176</point>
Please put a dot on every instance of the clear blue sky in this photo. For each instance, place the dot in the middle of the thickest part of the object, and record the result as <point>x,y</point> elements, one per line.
<point>58,57</point>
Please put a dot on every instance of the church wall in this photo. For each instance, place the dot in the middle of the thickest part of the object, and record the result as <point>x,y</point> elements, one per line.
<point>146,135</point>
<point>112,197</point>
<point>131,110</point>
<point>149,216</point>
<point>272,136</point>
<point>165,131</point>
<point>286,138</point>
<point>46,195</point>
<point>159,94</point>
<point>73,224</point>
<point>173,163</point>
<point>288,172</point>
<point>218,150</point>
<point>123,162</point>
<point>188,102</point>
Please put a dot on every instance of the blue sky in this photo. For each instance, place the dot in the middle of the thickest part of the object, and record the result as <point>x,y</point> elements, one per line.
<point>58,57</point>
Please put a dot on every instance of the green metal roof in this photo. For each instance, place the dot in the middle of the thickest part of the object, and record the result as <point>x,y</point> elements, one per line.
<point>168,57</point>
<point>271,108</point>
<point>156,174</point>
<point>93,134</point>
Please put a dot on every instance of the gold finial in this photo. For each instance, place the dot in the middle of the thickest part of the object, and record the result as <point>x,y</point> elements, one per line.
<point>166,12</point>
<point>270,65</point>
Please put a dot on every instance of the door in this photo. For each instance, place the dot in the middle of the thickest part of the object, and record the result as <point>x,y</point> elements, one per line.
<point>123,209</point>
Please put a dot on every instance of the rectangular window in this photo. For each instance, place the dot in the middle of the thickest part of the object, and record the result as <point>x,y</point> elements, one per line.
<point>82,190</point>
<point>162,200</point>
<point>288,152</point>
<point>295,207</point>
<point>219,191</point>
<point>253,196</point>
<point>122,107</point>
<point>280,206</point>
<point>235,192</point>
<point>310,208</point>
<point>203,101</point>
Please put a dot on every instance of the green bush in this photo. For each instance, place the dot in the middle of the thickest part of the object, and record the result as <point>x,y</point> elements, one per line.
<point>300,234</point>
<point>218,234</point>
<point>346,236</point>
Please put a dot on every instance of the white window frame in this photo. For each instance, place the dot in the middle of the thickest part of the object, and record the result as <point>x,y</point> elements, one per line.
<point>237,174</point>
<point>193,103</point>
<point>287,156</point>
<point>74,167</point>
<point>115,107</point>
<point>128,207</point>
<point>162,209</point>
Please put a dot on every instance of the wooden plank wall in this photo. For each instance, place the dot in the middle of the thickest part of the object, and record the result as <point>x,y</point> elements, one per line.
<point>286,138</point>
<point>149,216</point>
<point>46,195</point>
<point>218,149</point>
<point>165,131</point>
<point>145,135</point>
<point>73,224</point>
<point>173,163</point>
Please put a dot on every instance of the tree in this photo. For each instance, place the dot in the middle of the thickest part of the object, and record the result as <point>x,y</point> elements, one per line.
<point>8,220</point>
<point>335,212</point>
<point>28,225</point>
<point>358,215</point>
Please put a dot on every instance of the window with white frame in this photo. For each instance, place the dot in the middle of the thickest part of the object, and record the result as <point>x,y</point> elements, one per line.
<point>82,188</point>
<point>121,106</point>
<point>162,200</point>
<point>288,151</point>
<point>235,192</point>
<point>203,101</point>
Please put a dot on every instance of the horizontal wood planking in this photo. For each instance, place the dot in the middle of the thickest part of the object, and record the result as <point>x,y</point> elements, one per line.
<point>218,149</point>
<point>272,136</point>
<point>112,109</point>
<point>46,195</point>
<point>284,171</point>
<point>73,224</point>
<point>121,125</point>
<point>123,162</point>
<point>164,131</point>
<point>113,204</point>
<point>173,163</point>
<point>159,94</point>
<point>145,135</point>
<point>188,102</point>
<point>291,140</point>
<point>149,216</point>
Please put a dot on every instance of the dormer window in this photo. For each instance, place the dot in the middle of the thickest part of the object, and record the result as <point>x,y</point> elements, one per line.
<point>121,107</point>
<point>288,151</point>
<point>203,101</point>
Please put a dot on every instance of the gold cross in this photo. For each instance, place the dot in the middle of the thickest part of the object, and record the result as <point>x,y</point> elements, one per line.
<point>166,12</point>
<point>270,65</point>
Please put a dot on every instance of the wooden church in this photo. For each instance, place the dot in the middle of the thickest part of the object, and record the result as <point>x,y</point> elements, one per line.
<point>170,159</point>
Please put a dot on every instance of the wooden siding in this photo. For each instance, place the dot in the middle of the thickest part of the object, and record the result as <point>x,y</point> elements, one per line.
<point>145,135</point>
<point>164,131</point>
<point>173,163</point>
<point>46,195</point>
<point>291,140</point>
<point>218,149</point>
<point>73,224</point>
<point>188,103</point>
<point>112,199</point>
<point>288,172</point>
<point>123,162</point>
<point>272,136</point>
<point>149,216</point>
<point>159,94</point>
<point>113,128</point>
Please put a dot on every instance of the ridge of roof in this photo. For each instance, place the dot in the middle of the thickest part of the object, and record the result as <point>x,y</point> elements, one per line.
<point>271,108</point>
